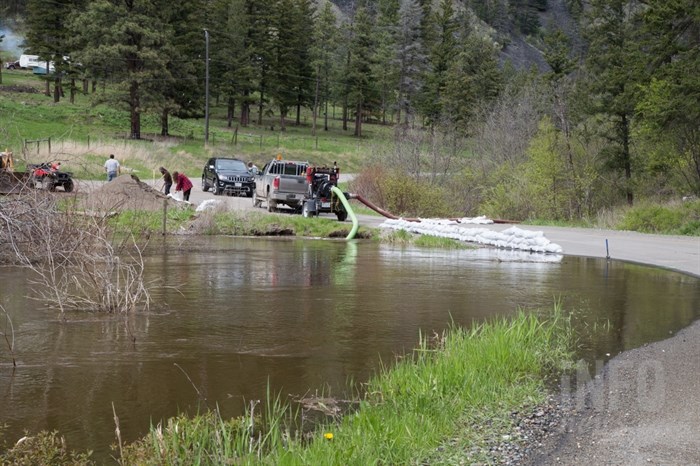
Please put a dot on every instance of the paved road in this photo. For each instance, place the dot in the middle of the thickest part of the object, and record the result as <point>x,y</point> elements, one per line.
<point>680,253</point>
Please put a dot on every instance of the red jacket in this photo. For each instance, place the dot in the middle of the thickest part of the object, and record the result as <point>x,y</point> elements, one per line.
<point>183,183</point>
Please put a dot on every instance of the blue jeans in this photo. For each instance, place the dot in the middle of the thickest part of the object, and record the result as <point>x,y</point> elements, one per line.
<point>111,176</point>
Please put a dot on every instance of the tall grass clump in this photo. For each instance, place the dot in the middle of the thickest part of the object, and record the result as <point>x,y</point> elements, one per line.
<point>679,218</point>
<point>451,396</point>
<point>449,389</point>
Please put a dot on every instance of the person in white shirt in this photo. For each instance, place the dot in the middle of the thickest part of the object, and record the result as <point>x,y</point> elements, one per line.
<point>112,167</point>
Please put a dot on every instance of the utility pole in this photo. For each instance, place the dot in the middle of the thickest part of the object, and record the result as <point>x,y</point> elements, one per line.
<point>206,90</point>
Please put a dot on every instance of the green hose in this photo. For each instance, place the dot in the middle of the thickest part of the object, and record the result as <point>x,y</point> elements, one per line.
<point>346,204</point>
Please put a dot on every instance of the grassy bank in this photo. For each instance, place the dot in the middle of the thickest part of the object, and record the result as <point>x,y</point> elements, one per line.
<point>441,404</point>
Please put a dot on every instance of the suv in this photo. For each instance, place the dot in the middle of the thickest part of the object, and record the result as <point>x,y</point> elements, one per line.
<point>227,176</point>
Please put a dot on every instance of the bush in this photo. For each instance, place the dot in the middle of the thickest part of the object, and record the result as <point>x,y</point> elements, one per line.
<point>681,219</point>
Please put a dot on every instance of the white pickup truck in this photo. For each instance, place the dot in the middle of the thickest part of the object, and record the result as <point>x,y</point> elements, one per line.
<point>281,182</point>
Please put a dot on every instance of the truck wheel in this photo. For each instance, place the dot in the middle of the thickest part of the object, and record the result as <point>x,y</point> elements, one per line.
<point>256,201</point>
<point>342,215</point>
<point>271,205</point>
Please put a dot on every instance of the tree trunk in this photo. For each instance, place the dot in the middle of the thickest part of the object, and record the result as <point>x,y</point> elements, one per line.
<point>56,90</point>
<point>260,105</point>
<point>358,120</point>
<point>73,90</point>
<point>283,122</point>
<point>164,123</point>
<point>245,109</point>
<point>315,109</point>
<point>135,109</point>
<point>230,111</point>
<point>626,158</point>
<point>86,86</point>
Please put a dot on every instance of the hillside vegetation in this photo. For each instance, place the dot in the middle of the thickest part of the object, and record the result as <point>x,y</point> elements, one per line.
<point>541,110</point>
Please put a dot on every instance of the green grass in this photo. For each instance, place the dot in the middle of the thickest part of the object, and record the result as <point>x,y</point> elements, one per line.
<point>402,237</point>
<point>441,404</point>
<point>246,223</point>
<point>86,132</point>
<point>675,219</point>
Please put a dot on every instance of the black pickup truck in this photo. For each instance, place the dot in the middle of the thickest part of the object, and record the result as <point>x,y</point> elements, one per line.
<point>227,176</point>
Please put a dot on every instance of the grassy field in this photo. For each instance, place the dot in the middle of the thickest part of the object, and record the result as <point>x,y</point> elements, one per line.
<point>83,134</point>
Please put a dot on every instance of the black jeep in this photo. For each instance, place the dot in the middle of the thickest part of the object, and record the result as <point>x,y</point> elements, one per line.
<point>227,176</point>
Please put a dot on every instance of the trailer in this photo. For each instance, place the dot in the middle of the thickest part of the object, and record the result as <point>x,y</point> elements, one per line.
<point>320,197</point>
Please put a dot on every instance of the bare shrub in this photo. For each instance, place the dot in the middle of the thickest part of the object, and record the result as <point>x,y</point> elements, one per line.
<point>76,263</point>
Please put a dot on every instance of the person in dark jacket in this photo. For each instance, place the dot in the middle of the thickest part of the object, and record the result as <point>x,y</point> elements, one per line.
<point>182,183</point>
<point>167,180</point>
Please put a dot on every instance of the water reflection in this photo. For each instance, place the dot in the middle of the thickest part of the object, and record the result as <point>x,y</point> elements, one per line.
<point>234,315</point>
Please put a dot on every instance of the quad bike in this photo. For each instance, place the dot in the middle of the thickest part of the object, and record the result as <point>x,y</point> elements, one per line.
<point>50,176</point>
<point>320,197</point>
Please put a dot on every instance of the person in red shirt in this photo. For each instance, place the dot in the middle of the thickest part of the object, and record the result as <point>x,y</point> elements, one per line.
<point>182,183</point>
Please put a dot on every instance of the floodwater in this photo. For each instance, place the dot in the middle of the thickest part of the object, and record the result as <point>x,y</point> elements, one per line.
<point>234,315</point>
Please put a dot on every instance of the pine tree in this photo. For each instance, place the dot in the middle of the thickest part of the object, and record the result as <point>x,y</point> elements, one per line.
<point>127,43</point>
<point>361,93</point>
<point>384,57</point>
<point>613,66</point>
<point>670,105</point>
<point>323,52</point>
<point>442,52</point>
<point>410,57</point>
<point>48,37</point>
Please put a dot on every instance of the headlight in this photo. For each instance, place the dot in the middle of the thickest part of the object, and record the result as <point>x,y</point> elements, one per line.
<point>222,177</point>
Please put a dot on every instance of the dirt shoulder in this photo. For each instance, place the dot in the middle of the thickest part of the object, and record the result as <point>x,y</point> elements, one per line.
<point>644,407</point>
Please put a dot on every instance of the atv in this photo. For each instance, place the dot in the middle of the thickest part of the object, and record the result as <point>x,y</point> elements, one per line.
<point>49,175</point>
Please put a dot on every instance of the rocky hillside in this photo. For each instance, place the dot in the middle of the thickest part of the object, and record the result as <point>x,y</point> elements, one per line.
<point>520,38</point>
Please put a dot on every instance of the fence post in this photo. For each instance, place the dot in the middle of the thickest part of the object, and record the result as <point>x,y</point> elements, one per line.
<point>49,146</point>
<point>165,215</point>
<point>261,137</point>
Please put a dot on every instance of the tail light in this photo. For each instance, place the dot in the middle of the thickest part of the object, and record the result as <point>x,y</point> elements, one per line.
<point>276,183</point>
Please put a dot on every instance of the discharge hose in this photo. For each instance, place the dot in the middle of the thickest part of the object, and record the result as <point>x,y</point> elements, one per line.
<point>346,204</point>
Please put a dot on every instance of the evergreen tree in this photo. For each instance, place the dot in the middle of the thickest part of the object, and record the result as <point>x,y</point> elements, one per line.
<point>180,90</point>
<point>323,52</point>
<point>385,53</point>
<point>303,79</point>
<point>48,37</point>
<point>283,63</point>
<point>442,51</point>
<point>410,57</point>
<point>670,107</point>
<point>262,42</point>
<point>613,65</point>
<point>126,43</point>
<point>361,93</point>
<point>473,77</point>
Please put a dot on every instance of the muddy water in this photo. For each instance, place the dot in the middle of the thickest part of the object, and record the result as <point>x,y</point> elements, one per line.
<point>235,315</point>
